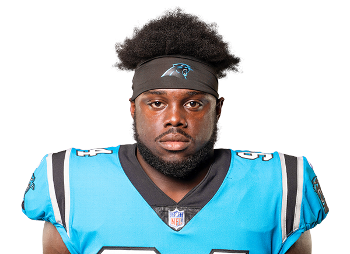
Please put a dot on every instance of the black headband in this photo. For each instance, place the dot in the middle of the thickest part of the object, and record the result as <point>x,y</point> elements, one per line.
<point>180,72</point>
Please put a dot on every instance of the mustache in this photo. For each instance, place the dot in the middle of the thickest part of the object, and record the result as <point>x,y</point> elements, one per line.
<point>173,131</point>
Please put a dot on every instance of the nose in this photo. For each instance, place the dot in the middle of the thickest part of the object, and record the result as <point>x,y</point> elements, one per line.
<point>175,117</point>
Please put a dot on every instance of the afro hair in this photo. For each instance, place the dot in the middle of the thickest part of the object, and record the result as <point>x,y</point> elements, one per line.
<point>177,33</point>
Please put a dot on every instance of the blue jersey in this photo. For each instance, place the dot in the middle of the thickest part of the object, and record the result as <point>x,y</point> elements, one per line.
<point>101,201</point>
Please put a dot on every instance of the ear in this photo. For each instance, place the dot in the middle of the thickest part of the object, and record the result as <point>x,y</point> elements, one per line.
<point>132,108</point>
<point>219,104</point>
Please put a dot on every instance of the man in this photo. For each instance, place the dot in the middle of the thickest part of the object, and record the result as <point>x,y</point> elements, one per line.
<point>172,192</point>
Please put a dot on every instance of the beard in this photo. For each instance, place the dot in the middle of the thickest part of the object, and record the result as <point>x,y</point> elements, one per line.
<point>184,169</point>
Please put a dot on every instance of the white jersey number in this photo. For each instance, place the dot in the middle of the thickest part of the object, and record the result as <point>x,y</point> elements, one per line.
<point>253,155</point>
<point>94,152</point>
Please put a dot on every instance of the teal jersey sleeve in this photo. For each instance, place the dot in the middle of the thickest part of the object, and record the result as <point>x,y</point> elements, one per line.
<point>36,203</point>
<point>313,208</point>
<point>42,199</point>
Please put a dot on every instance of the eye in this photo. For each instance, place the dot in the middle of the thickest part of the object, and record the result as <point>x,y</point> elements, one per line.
<point>193,105</point>
<point>156,104</point>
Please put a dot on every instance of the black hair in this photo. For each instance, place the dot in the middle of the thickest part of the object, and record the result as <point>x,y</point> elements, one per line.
<point>177,33</point>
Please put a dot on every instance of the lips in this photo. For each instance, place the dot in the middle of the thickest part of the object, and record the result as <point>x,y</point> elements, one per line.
<point>174,142</point>
<point>174,137</point>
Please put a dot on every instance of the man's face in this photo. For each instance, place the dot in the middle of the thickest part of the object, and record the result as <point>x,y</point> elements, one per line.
<point>175,124</point>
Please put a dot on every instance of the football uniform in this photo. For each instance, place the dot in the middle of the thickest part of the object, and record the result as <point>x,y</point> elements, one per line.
<point>101,201</point>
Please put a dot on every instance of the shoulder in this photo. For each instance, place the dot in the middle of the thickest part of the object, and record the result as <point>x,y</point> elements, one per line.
<point>72,156</point>
<point>95,151</point>
<point>254,156</point>
<point>257,161</point>
<point>64,156</point>
<point>286,163</point>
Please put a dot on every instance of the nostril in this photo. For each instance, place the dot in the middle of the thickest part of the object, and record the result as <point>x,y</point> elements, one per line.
<point>175,117</point>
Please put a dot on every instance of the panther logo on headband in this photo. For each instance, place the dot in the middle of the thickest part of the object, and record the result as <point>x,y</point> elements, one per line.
<point>179,70</point>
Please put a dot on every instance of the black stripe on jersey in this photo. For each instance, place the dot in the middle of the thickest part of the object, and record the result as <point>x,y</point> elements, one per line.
<point>58,181</point>
<point>292,183</point>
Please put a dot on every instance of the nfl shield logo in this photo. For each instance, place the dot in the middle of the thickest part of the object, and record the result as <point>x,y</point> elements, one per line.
<point>176,219</point>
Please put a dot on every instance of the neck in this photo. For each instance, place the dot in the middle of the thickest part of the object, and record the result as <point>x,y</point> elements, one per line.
<point>174,188</point>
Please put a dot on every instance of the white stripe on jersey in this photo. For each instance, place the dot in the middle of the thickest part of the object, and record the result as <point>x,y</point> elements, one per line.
<point>67,188</point>
<point>299,198</point>
<point>54,203</point>
<point>284,197</point>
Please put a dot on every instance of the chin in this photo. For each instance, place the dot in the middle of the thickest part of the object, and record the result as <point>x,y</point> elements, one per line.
<point>177,165</point>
